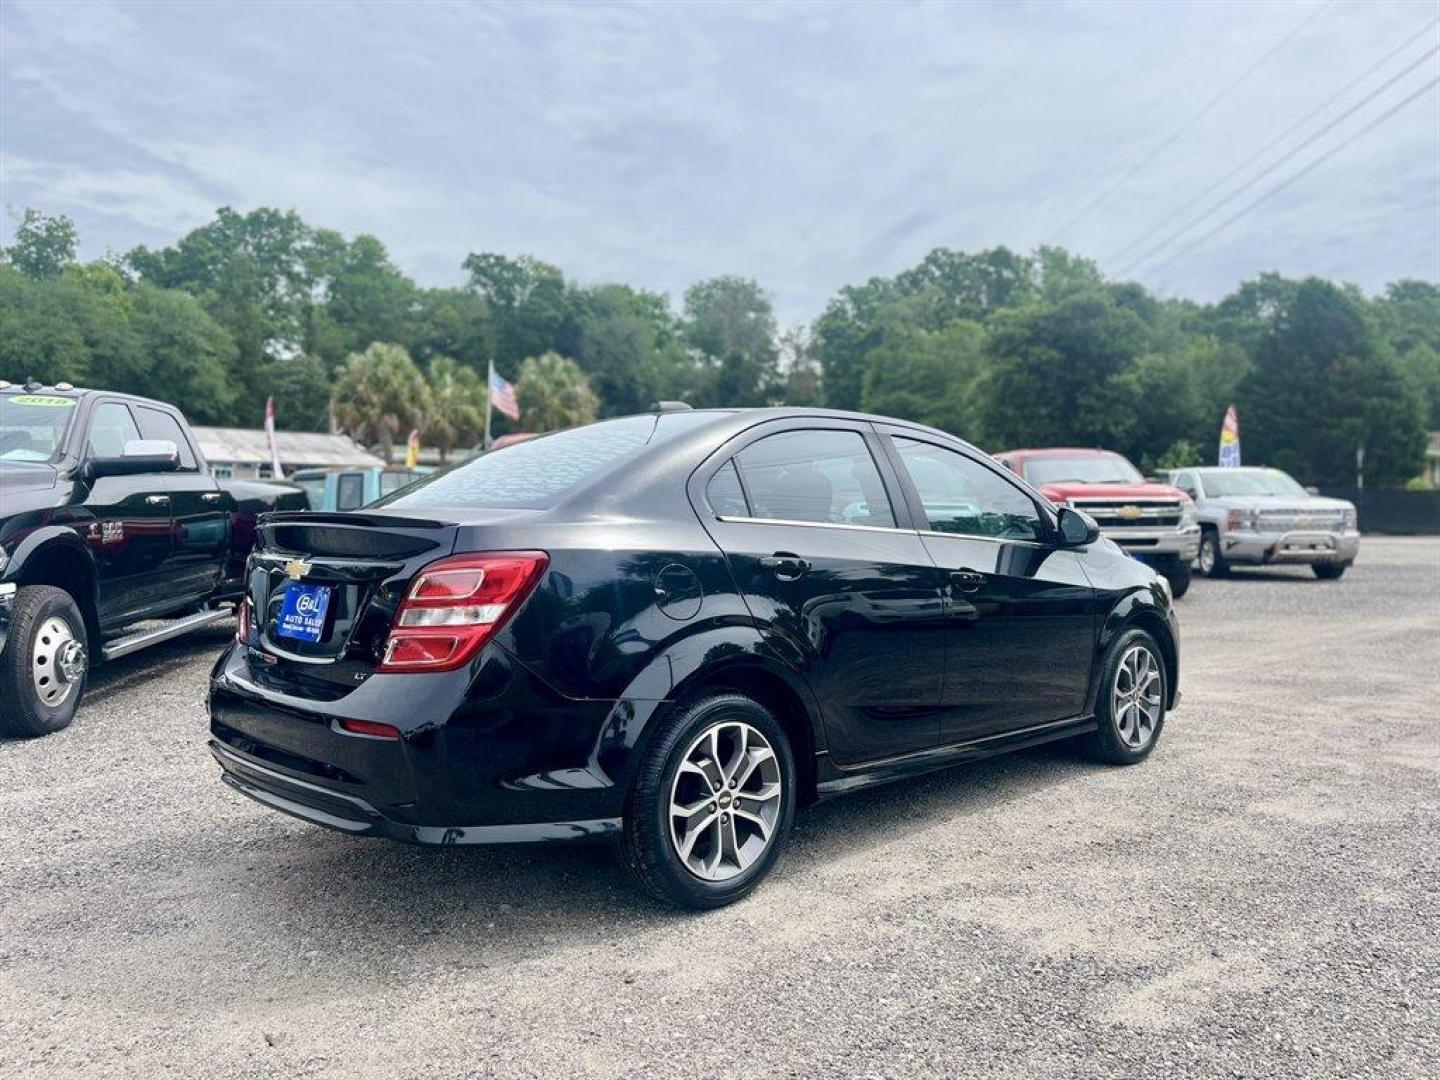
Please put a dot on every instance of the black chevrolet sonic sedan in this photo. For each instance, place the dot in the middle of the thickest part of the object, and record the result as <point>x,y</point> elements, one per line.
<point>671,630</point>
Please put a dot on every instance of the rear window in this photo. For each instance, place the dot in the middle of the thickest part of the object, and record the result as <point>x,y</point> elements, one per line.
<point>537,473</point>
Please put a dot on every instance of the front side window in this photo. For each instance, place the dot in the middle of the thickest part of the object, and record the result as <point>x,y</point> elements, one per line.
<point>823,476</point>
<point>111,427</point>
<point>314,488</point>
<point>155,424</point>
<point>964,497</point>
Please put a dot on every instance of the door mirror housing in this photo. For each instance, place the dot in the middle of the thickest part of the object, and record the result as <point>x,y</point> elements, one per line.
<point>138,456</point>
<point>1311,489</point>
<point>1077,529</point>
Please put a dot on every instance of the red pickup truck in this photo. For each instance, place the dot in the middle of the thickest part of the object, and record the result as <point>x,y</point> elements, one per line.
<point>1154,523</point>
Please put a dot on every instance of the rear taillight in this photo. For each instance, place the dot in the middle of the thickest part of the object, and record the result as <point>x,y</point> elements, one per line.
<point>455,605</point>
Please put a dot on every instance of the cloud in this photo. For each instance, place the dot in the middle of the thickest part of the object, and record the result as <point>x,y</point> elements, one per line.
<point>808,146</point>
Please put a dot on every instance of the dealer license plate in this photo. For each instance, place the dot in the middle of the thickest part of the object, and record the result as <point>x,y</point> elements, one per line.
<point>302,612</point>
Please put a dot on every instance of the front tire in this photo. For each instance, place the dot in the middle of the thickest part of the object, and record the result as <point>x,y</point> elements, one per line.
<point>44,667</point>
<point>712,805</point>
<point>1130,710</point>
<point>1329,571</point>
<point>1178,575</point>
<point>1210,561</point>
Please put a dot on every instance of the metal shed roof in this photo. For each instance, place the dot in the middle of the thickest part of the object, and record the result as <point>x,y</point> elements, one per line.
<point>223,445</point>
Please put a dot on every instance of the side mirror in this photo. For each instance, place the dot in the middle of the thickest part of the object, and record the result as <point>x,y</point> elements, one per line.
<point>1310,489</point>
<point>138,456</point>
<point>1077,529</point>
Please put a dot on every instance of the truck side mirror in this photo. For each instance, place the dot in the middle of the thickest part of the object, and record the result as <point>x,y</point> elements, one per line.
<point>1077,529</point>
<point>138,456</point>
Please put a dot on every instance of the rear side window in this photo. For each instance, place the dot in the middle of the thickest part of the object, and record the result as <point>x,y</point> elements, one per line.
<point>155,424</point>
<point>725,494</point>
<point>349,491</point>
<point>394,481</point>
<point>111,427</point>
<point>534,474</point>
<point>964,497</point>
<point>314,488</point>
<point>824,476</point>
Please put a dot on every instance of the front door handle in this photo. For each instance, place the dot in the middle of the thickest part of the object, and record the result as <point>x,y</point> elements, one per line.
<point>157,500</point>
<point>967,580</point>
<point>211,496</point>
<point>785,565</point>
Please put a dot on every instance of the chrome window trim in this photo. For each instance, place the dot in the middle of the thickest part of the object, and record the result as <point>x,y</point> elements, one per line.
<point>878,528</point>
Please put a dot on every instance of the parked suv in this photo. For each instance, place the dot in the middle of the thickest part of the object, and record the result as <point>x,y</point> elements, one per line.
<point>1258,516</point>
<point>1154,523</point>
<point>672,629</point>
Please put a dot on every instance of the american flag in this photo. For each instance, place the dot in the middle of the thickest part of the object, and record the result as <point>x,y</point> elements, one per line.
<point>502,396</point>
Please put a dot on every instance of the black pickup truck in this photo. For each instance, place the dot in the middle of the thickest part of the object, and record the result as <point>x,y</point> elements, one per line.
<point>114,535</point>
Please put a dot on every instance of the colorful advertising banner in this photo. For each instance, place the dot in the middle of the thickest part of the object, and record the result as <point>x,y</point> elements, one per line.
<point>1230,440</point>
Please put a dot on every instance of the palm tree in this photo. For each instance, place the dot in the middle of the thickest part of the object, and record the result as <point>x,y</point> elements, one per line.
<point>553,393</point>
<point>460,399</point>
<point>380,396</point>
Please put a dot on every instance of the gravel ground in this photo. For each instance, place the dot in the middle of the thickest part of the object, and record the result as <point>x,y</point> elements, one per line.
<point>1261,898</point>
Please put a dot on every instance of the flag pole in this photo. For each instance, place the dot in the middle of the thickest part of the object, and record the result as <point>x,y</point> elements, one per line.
<point>489,401</point>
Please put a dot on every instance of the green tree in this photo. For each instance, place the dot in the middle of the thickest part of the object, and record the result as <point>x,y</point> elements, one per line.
<point>300,386</point>
<point>1321,385</point>
<point>1058,373</point>
<point>459,399</point>
<point>729,321</point>
<point>553,393</point>
<point>188,355</point>
<point>43,245</point>
<point>381,395</point>
<point>622,346</point>
<point>531,306</point>
<point>933,377</point>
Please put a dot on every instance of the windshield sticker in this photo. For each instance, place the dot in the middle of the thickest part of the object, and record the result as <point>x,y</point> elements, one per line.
<point>43,399</point>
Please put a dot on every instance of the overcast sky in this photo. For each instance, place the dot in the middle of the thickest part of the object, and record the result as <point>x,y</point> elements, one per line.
<point>808,146</point>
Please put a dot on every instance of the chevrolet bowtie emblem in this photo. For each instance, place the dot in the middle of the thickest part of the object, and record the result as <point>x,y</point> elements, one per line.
<point>1128,513</point>
<point>297,568</point>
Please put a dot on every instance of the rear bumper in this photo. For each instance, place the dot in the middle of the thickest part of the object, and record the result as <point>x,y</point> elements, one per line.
<point>1301,546</point>
<point>493,756</point>
<point>347,813</point>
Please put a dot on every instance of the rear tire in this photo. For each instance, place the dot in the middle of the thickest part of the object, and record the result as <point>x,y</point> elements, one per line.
<point>1329,571</point>
<point>1210,561</point>
<point>1130,708</point>
<point>753,757</point>
<point>43,669</point>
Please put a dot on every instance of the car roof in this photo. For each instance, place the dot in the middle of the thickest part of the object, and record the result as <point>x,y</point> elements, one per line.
<point>81,392</point>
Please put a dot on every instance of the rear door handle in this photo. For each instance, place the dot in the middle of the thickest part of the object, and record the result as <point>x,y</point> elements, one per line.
<point>157,500</point>
<point>967,580</point>
<point>784,565</point>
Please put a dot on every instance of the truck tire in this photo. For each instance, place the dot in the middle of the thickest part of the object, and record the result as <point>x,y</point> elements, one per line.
<point>1178,574</point>
<point>44,666</point>
<point>1210,561</point>
<point>1329,571</point>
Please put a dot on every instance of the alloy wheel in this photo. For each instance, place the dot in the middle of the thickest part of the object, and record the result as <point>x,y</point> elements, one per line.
<point>1137,697</point>
<point>57,662</point>
<point>725,801</point>
<point>1207,555</point>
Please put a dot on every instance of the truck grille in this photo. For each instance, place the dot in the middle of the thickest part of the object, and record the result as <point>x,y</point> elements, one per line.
<point>1120,513</point>
<point>1291,520</point>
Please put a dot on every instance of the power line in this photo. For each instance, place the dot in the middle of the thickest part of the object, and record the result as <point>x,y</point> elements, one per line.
<point>1106,192</point>
<point>1283,159</point>
<point>1386,115</point>
<point>1146,237</point>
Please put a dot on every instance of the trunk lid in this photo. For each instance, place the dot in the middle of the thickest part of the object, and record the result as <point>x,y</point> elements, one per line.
<point>363,561</point>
